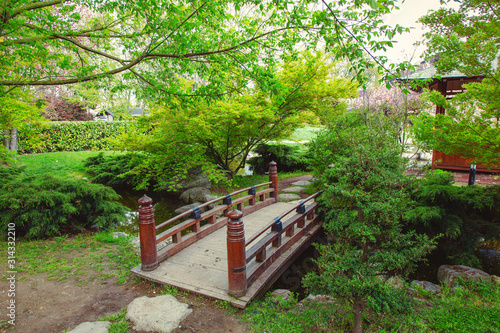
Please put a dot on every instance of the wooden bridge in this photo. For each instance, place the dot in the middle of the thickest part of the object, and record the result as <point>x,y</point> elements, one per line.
<point>234,251</point>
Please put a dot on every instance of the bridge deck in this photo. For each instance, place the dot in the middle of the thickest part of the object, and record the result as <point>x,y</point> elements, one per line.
<point>202,267</point>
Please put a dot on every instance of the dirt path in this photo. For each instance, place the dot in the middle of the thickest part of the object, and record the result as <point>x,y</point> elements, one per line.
<point>46,306</point>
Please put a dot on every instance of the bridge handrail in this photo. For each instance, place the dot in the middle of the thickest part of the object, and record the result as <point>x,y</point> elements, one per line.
<point>205,204</point>
<point>269,225</point>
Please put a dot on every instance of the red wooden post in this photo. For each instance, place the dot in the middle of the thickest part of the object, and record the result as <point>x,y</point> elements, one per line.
<point>273,177</point>
<point>147,234</point>
<point>236,258</point>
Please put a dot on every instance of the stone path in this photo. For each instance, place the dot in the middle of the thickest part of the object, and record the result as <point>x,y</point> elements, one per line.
<point>293,192</point>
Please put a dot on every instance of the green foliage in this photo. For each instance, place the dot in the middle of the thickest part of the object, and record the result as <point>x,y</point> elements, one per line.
<point>461,214</point>
<point>218,136</point>
<point>289,157</point>
<point>73,136</point>
<point>472,309</point>
<point>58,43</point>
<point>45,205</point>
<point>115,171</point>
<point>466,39</point>
<point>359,164</point>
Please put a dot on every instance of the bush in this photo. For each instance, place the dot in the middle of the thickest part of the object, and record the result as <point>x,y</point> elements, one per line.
<point>72,136</point>
<point>44,206</point>
<point>115,171</point>
<point>60,109</point>
<point>461,214</point>
<point>289,157</point>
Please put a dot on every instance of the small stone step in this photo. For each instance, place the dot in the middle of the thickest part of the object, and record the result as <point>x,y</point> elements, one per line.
<point>302,183</point>
<point>293,189</point>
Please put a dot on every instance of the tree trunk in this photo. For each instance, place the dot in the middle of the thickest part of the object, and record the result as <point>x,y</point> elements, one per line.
<point>358,316</point>
<point>14,139</point>
<point>6,139</point>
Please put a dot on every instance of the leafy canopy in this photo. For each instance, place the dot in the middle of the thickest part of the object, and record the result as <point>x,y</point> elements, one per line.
<point>159,41</point>
<point>221,134</point>
<point>467,40</point>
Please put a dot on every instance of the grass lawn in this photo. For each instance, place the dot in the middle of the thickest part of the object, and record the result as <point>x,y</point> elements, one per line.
<point>306,133</point>
<point>66,164</point>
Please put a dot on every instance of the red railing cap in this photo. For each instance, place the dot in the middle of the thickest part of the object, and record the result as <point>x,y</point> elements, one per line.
<point>235,214</point>
<point>145,200</point>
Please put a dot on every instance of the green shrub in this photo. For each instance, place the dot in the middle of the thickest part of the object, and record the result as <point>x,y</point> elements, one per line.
<point>44,206</point>
<point>289,157</point>
<point>116,171</point>
<point>461,214</point>
<point>72,136</point>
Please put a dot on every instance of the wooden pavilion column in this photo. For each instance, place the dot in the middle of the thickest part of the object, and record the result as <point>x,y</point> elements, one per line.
<point>147,234</point>
<point>273,177</point>
<point>236,257</point>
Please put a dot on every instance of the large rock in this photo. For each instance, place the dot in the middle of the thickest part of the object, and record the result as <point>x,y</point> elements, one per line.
<point>449,275</point>
<point>196,194</point>
<point>195,178</point>
<point>157,314</point>
<point>92,327</point>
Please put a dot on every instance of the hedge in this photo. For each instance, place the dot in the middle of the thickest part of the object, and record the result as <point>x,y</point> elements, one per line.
<point>71,136</point>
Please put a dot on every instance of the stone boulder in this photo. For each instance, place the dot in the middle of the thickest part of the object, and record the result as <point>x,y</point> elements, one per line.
<point>195,178</point>
<point>157,314</point>
<point>196,194</point>
<point>426,285</point>
<point>450,275</point>
<point>284,294</point>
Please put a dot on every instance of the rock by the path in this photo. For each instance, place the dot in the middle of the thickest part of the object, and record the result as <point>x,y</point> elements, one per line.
<point>288,197</point>
<point>426,285</point>
<point>157,314</point>
<point>92,327</point>
<point>293,189</point>
<point>119,234</point>
<point>319,298</point>
<point>281,293</point>
<point>195,194</point>
<point>449,275</point>
<point>301,183</point>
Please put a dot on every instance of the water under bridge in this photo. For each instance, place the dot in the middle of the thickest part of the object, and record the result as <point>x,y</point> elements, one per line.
<point>234,251</point>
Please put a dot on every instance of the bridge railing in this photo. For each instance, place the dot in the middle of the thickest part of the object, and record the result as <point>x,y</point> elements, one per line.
<point>247,260</point>
<point>184,233</point>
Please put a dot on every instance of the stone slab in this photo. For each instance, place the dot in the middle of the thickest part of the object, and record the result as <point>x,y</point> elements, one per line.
<point>293,189</point>
<point>157,314</point>
<point>302,183</point>
<point>92,327</point>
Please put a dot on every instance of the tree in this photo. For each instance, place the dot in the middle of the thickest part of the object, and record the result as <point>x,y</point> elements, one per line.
<point>16,110</point>
<point>60,109</point>
<point>467,40</point>
<point>222,133</point>
<point>159,42</point>
<point>364,200</point>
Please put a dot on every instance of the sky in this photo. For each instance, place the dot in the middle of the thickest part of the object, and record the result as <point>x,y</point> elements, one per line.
<point>410,11</point>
